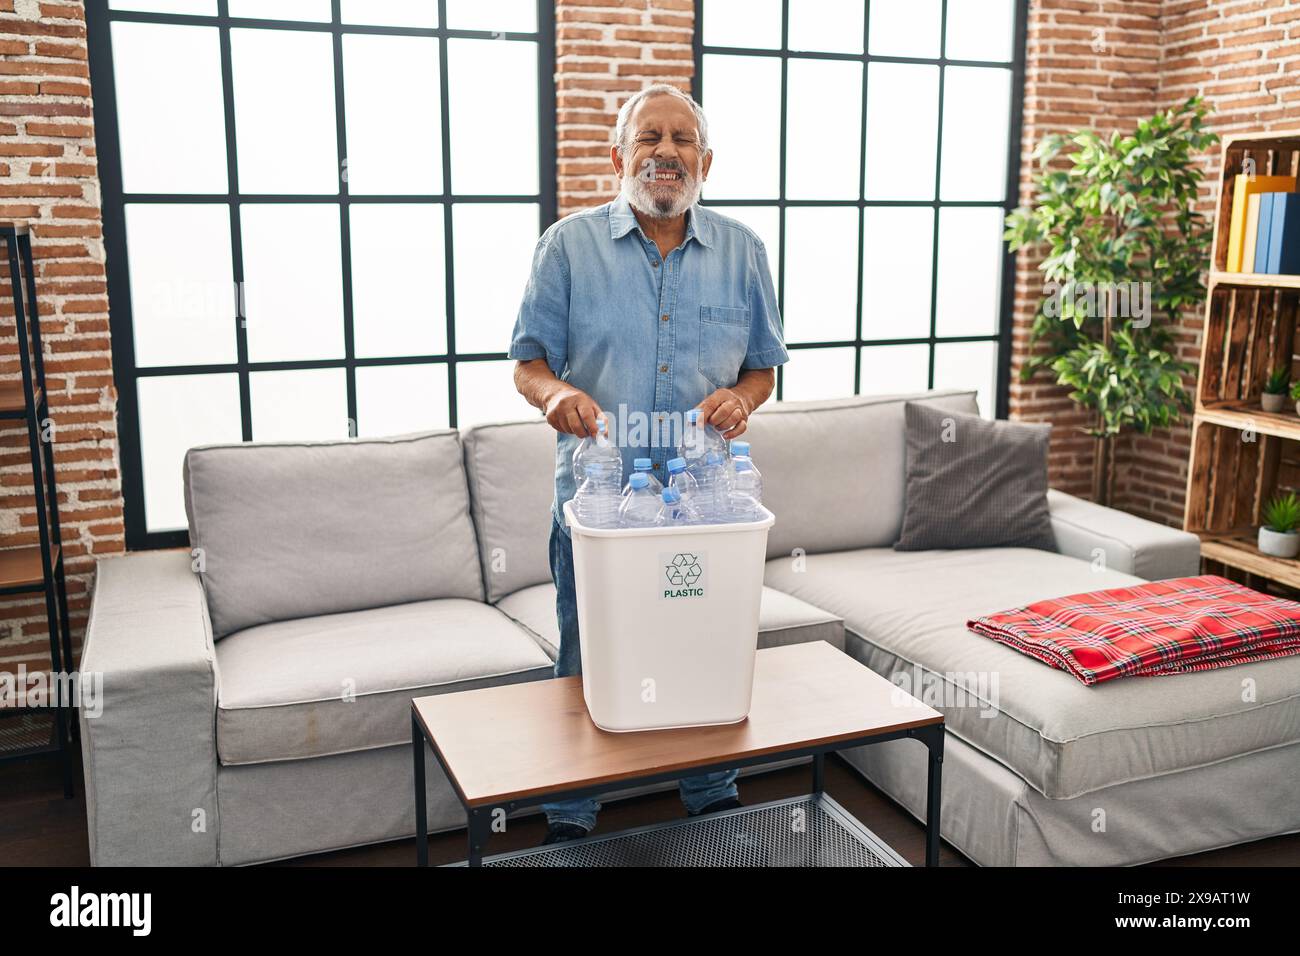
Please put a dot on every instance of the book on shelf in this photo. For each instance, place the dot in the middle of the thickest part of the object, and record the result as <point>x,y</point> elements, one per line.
<point>1282,255</point>
<point>1244,186</point>
<point>1252,232</point>
<point>1259,261</point>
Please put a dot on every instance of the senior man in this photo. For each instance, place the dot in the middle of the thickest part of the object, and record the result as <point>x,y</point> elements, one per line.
<point>645,306</point>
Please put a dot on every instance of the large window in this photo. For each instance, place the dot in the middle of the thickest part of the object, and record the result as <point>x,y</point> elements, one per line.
<point>873,145</point>
<point>319,217</point>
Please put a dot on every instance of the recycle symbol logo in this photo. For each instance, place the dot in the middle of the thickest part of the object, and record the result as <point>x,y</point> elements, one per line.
<point>683,569</point>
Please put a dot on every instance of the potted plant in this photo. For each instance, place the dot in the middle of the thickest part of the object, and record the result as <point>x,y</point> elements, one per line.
<point>1295,396</point>
<point>1116,212</point>
<point>1276,388</point>
<point>1277,535</point>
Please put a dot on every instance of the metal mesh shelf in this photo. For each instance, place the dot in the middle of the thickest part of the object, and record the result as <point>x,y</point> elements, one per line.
<point>808,831</point>
<point>27,732</point>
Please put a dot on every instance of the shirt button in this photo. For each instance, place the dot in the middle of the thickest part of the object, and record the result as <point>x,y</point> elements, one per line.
<point>663,318</point>
<point>655,263</point>
<point>663,368</point>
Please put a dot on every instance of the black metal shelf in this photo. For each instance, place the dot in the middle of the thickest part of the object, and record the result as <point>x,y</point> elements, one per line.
<point>30,569</point>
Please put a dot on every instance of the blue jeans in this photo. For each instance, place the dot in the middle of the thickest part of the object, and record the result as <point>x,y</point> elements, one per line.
<point>697,792</point>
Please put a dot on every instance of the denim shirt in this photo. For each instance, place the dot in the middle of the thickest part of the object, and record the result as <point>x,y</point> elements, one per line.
<point>647,337</point>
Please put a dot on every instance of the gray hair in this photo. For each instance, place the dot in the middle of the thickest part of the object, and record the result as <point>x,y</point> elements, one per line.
<point>622,134</point>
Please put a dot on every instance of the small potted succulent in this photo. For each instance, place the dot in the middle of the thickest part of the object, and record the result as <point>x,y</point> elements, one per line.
<point>1276,388</point>
<point>1295,396</point>
<point>1277,535</point>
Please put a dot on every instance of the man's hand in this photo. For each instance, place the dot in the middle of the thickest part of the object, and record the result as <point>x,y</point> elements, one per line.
<point>728,411</point>
<point>572,411</point>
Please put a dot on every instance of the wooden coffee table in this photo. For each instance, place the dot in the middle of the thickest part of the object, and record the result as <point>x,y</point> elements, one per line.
<point>505,748</point>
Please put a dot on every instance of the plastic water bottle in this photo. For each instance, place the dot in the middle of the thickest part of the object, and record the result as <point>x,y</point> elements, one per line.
<point>712,495</point>
<point>673,511</point>
<point>699,439</point>
<point>684,482</point>
<point>746,491</point>
<point>640,507</point>
<point>645,467</point>
<point>598,450</point>
<point>596,501</point>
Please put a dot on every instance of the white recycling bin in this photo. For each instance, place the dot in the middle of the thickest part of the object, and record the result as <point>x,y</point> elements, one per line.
<point>668,621</point>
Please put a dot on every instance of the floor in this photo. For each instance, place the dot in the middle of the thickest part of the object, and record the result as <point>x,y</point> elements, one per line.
<point>39,828</point>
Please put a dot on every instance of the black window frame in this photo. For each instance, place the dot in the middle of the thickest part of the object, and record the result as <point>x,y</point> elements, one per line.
<point>1007,295</point>
<point>125,371</point>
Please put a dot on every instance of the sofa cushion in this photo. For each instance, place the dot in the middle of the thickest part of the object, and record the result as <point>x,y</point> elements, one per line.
<point>908,610</point>
<point>344,682</point>
<point>511,469</point>
<point>973,483</point>
<point>782,619</point>
<point>854,445</point>
<point>292,530</point>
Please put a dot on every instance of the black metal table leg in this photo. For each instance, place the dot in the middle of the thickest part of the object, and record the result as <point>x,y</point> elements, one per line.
<point>421,811</point>
<point>934,789</point>
<point>480,826</point>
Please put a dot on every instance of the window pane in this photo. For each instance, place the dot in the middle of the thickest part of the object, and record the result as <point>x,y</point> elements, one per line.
<point>173,72</point>
<point>976,110</point>
<point>969,365</point>
<point>895,369</point>
<point>399,299</point>
<point>293,291</point>
<point>493,125</point>
<point>981,29</point>
<point>754,24</point>
<point>310,405</point>
<point>970,271</point>
<point>897,257</point>
<point>391,13</point>
<point>182,284</point>
<point>485,392</point>
<point>397,399</point>
<point>493,245</point>
<point>284,111</point>
<point>830,26</point>
<point>178,412</point>
<point>312,10</point>
<point>392,148</point>
<point>515,16</point>
<point>817,373</point>
<point>764,220</point>
<point>905,27</point>
<point>902,130</point>
<point>198,7</point>
<point>823,131</point>
<point>821,273</point>
<point>746,141</point>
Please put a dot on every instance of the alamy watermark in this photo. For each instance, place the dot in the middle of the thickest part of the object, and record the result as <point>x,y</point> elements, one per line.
<point>1121,300</point>
<point>40,689</point>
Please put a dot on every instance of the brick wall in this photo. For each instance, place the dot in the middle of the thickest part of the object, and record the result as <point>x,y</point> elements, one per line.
<point>606,50</point>
<point>48,178</point>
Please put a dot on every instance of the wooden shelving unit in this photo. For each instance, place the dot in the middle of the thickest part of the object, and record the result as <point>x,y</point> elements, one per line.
<point>1241,454</point>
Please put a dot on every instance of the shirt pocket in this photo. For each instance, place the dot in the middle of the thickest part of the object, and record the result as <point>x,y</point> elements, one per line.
<point>724,339</point>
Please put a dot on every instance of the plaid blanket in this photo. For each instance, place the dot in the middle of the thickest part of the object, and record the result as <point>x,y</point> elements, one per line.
<point>1165,627</point>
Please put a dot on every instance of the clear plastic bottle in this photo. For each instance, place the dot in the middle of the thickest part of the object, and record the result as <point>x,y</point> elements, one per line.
<point>699,439</point>
<point>746,492</point>
<point>596,501</point>
<point>601,451</point>
<point>713,489</point>
<point>684,482</point>
<point>646,467</point>
<point>640,506</point>
<point>673,511</point>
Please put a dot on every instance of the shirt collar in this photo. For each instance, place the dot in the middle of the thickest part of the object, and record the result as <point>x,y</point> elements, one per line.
<point>622,220</point>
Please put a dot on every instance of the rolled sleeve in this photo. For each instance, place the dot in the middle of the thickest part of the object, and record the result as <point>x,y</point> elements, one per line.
<point>542,325</point>
<point>766,340</point>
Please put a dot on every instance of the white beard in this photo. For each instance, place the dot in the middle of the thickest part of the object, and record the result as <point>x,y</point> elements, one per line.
<point>648,201</point>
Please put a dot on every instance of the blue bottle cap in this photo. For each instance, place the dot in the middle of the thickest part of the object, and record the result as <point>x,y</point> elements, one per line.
<point>740,448</point>
<point>641,464</point>
<point>671,496</point>
<point>675,465</point>
<point>639,480</point>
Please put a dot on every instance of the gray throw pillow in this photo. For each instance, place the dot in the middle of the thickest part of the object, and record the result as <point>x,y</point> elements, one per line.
<point>973,483</point>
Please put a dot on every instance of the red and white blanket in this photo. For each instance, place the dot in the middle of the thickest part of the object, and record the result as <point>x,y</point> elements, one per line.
<point>1164,627</point>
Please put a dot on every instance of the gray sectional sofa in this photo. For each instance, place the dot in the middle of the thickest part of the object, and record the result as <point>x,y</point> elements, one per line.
<point>257,688</point>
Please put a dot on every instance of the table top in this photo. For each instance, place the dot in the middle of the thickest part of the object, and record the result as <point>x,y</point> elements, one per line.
<point>525,740</point>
